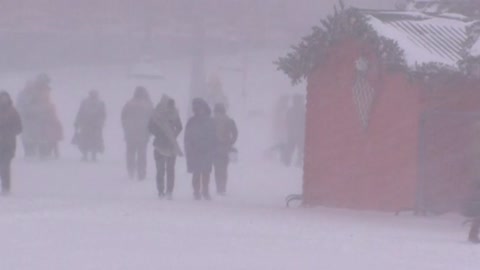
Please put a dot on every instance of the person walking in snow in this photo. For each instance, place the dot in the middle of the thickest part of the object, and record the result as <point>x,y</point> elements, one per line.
<point>136,115</point>
<point>473,236</point>
<point>200,143</point>
<point>295,131</point>
<point>226,136</point>
<point>42,128</point>
<point>165,125</point>
<point>89,125</point>
<point>10,128</point>
<point>472,210</point>
<point>49,129</point>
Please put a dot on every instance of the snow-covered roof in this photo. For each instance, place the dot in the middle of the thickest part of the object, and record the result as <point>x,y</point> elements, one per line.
<point>424,38</point>
<point>475,51</point>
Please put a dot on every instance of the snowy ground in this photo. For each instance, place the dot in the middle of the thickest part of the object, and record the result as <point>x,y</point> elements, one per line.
<point>70,215</point>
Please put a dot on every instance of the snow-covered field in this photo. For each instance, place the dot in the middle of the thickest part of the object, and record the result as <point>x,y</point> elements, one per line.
<point>70,215</point>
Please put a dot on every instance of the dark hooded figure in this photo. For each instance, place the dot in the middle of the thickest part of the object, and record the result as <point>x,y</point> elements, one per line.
<point>89,126</point>
<point>10,128</point>
<point>135,117</point>
<point>227,135</point>
<point>200,143</point>
<point>166,125</point>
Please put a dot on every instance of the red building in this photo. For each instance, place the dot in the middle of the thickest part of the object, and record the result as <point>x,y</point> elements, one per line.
<point>393,110</point>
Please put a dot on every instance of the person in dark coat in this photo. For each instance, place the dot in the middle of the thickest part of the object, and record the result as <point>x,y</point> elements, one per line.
<point>200,143</point>
<point>166,125</point>
<point>10,128</point>
<point>227,135</point>
<point>136,115</point>
<point>89,125</point>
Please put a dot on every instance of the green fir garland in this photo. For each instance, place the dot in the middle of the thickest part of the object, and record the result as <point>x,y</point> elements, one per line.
<point>351,23</point>
<point>346,23</point>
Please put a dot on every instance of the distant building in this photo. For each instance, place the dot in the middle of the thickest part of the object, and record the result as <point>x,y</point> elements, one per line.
<point>393,110</point>
<point>466,7</point>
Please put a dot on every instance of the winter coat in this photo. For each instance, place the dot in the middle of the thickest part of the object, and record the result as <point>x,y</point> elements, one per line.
<point>10,128</point>
<point>165,125</point>
<point>89,124</point>
<point>226,134</point>
<point>200,140</point>
<point>136,115</point>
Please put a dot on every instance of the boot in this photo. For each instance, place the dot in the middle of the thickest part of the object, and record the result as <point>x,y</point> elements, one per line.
<point>206,196</point>
<point>131,174</point>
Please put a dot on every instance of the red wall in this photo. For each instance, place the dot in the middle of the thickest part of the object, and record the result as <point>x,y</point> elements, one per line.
<point>350,167</point>
<point>451,143</point>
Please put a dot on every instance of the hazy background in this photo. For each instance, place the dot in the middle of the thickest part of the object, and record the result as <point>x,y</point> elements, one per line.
<point>65,214</point>
<point>43,33</point>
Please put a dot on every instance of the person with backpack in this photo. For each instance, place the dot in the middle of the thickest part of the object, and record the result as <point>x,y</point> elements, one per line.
<point>166,126</point>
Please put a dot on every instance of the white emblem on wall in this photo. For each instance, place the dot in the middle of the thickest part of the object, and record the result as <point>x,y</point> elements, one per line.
<point>363,93</point>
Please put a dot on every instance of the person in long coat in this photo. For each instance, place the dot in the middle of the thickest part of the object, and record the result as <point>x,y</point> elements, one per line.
<point>10,128</point>
<point>166,126</point>
<point>227,134</point>
<point>200,143</point>
<point>89,125</point>
<point>136,115</point>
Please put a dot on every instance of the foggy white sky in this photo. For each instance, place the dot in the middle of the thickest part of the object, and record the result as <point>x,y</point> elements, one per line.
<point>72,14</point>
<point>118,29</point>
